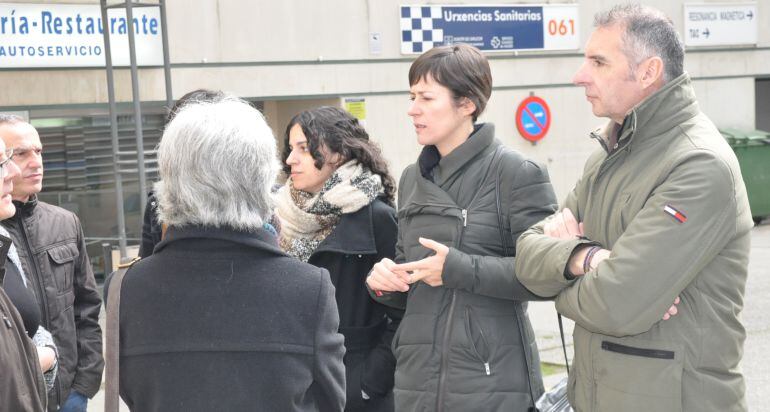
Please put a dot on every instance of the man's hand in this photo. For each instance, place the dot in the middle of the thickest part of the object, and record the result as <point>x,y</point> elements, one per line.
<point>672,310</point>
<point>47,358</point>
<point>428,270</point>
<point>575,264</point>
<point>563,226</point>
<point>384,278</point>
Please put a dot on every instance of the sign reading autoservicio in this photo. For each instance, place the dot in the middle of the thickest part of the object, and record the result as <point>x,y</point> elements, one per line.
<point>492,28</point>
<point>70,35</point>
<point>720,24</point>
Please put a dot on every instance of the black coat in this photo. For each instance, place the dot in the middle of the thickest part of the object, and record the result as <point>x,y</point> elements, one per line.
<point>223,320</point>
<point>360,240</point>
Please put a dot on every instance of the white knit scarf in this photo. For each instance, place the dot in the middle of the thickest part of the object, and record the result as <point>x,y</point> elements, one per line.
<point>307,219</point>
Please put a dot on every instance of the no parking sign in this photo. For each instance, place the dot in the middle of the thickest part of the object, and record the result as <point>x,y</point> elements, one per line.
<point>533,118</point>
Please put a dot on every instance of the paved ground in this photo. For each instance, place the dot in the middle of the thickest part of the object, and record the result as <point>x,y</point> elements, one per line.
<point>756,317</point>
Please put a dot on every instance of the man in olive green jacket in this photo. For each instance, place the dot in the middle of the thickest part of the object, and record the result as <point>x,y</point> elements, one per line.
<point>660,216</point>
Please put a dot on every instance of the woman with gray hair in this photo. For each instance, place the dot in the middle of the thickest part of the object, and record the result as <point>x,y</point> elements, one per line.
<point>219,318</point>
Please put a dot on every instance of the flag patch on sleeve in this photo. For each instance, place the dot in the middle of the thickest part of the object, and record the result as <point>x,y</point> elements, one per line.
<point>676,214</point>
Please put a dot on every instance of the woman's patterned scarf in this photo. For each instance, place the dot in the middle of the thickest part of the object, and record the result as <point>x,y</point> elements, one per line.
<point>307,219</point>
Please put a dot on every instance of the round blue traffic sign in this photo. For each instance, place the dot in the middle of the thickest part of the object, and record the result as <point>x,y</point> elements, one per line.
<point>533,118</point>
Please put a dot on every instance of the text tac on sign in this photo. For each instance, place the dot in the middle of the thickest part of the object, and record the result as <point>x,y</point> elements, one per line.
<point>533,118</point>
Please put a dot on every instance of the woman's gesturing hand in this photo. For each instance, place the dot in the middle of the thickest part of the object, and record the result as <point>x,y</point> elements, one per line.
<point>428,270</point>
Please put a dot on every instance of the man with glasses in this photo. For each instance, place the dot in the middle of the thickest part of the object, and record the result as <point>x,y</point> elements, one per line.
<point>53,254</point>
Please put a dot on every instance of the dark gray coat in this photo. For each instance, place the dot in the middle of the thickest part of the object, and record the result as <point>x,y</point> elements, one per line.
<point>223,320</point>
<point>468,345</point>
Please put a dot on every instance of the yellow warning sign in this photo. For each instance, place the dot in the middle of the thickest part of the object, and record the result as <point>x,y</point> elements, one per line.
<point>356,106</point>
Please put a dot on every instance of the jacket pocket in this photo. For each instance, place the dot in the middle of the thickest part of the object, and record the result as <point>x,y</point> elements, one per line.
<point>638,375</point>
<point>441,223</point>
<point>477,340</point>
<point>62,264</point>
<point>634,351</point>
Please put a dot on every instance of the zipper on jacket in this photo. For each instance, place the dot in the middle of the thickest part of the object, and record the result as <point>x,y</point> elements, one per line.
<point>468,315</point>
<point>643,352</point>
<point>5,317</point>
<point>610,156</point>
<point>448,329</point>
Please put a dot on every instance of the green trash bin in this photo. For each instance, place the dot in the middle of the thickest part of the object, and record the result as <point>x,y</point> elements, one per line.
<point>753,152</point>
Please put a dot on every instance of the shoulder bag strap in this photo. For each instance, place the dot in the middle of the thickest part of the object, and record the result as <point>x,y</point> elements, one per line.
<point>519,308</point>
<point>112,340</point>
<point>563,342</point>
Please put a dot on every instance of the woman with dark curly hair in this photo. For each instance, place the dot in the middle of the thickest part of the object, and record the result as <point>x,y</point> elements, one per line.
<point>336,212</point>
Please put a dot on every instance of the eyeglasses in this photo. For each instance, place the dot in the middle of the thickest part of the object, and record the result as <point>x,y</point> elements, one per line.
<point>8,157</point>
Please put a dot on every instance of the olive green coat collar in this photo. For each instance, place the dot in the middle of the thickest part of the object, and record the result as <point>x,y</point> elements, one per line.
<point>663,110</point>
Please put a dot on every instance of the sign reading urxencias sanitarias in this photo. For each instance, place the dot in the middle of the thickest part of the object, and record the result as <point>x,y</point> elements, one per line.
<point>491,28</point>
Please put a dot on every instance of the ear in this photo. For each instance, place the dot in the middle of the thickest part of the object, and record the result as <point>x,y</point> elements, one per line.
<point>651,71</point>
<point>335,159</point>
<point>467,107</point>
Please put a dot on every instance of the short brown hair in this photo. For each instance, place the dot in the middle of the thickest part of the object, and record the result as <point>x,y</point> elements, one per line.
<point>459,67</point>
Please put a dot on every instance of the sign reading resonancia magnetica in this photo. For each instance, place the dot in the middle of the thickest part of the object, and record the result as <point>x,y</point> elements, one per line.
<point>497,28</point>
<point>69,35</point>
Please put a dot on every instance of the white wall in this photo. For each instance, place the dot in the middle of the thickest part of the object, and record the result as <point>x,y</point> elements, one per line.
<point>296,53</point>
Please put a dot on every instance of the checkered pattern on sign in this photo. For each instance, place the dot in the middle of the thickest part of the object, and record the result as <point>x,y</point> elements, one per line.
<point>417,28</point>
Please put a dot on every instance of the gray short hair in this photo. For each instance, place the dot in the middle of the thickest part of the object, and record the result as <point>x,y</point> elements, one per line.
<point>647,33</point>
<point>11,119</point>
<point>217,163</point>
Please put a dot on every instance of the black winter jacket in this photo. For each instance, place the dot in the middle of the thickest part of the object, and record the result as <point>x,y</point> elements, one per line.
<point>468,345</point>
<point>360,240</point>
<point>52,250</point>
<point>222,320</point>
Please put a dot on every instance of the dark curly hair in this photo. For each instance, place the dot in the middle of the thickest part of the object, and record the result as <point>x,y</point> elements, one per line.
<point>340,133</point>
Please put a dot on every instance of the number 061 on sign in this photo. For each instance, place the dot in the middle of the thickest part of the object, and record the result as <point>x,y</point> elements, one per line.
<point>561,27</point>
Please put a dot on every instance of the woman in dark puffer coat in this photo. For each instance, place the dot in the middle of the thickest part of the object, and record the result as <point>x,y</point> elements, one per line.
<point>465,342</point>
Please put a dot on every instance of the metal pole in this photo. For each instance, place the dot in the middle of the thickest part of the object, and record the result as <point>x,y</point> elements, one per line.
<point>137,108</point>
<point>107,257</point>
<point>114,131</point>
<point>166,59</point>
